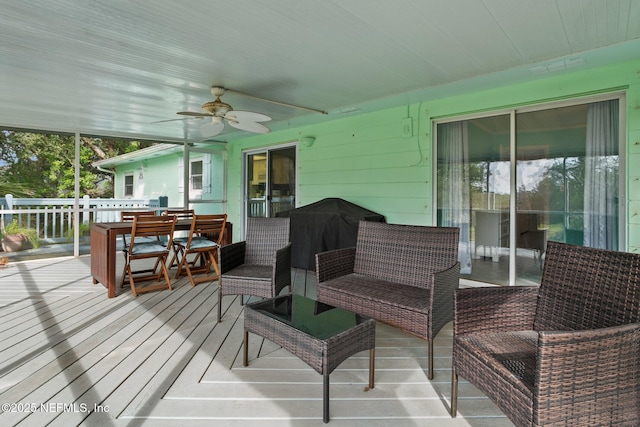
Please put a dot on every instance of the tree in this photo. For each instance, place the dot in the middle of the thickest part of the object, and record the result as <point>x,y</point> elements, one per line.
<point>42,165</point>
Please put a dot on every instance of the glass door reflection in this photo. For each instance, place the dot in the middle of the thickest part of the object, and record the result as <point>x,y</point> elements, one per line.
<point>282,185</point>
<point>270,181</point>
<point>257,185</point>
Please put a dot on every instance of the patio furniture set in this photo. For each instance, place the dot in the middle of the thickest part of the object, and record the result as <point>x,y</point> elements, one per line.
<point>566,352</point>
<point>105,246</point>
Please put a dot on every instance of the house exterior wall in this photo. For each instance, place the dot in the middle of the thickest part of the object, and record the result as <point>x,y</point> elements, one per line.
<point>159,176</point>
<point>368,159</point>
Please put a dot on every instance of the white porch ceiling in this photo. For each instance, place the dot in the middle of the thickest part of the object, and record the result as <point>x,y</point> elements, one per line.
<point>114,67</point>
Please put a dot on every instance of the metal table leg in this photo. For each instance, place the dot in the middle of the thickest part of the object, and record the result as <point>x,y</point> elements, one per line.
<point>325,398</point>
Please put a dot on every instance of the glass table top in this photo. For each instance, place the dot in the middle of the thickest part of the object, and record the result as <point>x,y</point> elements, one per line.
<point>317,319</point>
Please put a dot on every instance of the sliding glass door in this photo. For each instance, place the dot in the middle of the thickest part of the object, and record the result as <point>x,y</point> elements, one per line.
<point>270,181</point>
<point>511,182</point>
<point>474,192</point>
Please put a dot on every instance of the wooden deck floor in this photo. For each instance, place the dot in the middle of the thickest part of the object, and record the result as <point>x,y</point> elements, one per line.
<point>71,356</point>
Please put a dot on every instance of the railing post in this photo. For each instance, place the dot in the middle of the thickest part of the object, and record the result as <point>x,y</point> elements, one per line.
<point>38,222</point>
<point>86,204</point>
<point>69,221</point>
<point>97,215</point>
<point>46,222</point>
<point>8,217</point>
<point>63,210</point>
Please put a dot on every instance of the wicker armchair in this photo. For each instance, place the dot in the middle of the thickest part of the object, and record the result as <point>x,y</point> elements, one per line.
<point>258,266</point>
<point>566,353</point>
<point>402,275</point>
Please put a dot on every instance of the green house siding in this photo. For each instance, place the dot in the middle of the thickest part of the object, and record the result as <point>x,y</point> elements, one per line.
<point>370,160</point>
<point>159,175</point>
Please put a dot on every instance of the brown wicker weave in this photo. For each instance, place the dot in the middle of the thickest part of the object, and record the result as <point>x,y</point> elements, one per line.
<point>567,353</point>
<point>260,265</point>
<point>403,275</point>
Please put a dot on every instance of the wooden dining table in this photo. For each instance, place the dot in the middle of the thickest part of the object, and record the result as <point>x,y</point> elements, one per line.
<point>104,248</point>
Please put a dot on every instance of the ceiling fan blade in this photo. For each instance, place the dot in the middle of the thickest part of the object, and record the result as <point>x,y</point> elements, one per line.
<point>249,126</point>
<point>246,116</point>
<point>171,120</point>
<point>193,114</point>
<point>212,128</point>
<point>273,101</point>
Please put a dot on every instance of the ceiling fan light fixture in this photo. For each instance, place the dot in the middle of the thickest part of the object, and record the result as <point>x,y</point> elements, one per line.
<point>222,114</point>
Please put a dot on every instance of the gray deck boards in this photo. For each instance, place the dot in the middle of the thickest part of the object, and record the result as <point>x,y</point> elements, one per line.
<point>71,356</point>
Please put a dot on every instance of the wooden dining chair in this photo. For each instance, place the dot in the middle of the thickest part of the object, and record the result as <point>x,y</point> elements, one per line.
<point>128,216</point>
<point>181,214</point>
<point>205,237</point>
<point>147,233</point>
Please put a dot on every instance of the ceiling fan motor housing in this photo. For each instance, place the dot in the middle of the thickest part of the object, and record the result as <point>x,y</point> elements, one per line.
<point>217,108</point>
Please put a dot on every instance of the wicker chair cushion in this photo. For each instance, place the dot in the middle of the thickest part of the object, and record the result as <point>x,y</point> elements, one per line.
<point>513,354</point>
<point>250,272</point>
<point>378,292</point>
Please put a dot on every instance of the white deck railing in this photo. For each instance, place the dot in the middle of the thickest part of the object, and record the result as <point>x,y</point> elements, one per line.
<point>52,218</point>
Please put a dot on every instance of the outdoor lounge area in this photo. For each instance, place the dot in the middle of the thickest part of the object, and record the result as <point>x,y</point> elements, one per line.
<point>514,124</point>
<point>162,360</point>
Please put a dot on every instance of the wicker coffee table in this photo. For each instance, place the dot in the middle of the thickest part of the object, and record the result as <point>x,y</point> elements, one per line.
<point>320,335</point>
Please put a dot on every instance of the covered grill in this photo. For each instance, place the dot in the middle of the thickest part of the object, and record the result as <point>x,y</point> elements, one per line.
<point>328,224</point>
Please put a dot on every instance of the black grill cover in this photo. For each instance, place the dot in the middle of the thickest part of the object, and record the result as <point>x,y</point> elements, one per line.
<point>322,226</point>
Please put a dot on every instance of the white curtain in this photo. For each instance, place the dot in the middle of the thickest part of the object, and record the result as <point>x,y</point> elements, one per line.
<point>601,175</point>
<point>453,149</point>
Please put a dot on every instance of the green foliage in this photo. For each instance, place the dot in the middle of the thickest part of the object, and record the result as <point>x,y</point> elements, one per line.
<point>16,189</point>
<point>42,165</point>
<point>30,233</point>
<point>83,229</point>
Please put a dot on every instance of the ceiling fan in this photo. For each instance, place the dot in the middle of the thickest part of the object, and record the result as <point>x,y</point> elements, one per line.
<point>221,113</point>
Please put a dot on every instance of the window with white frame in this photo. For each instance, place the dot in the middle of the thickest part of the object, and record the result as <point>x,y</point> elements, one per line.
<point>128,185</point>
<point>199,176</point>
<point>196,176</point>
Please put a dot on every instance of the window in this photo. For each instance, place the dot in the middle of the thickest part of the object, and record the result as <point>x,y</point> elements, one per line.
<point>205,168</point>
<point>555,178</point>
<point>196,175</point>
<point>128,185</point>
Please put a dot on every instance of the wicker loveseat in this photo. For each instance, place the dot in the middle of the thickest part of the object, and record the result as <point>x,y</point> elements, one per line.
<point>403,275</point>
<point>564,353</point>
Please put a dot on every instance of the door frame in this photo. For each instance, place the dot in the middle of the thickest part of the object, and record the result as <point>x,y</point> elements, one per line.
<point>267,151</point>
<point>620,97</point>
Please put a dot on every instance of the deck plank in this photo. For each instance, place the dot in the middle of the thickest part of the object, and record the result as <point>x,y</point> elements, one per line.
<point>163,359</point>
